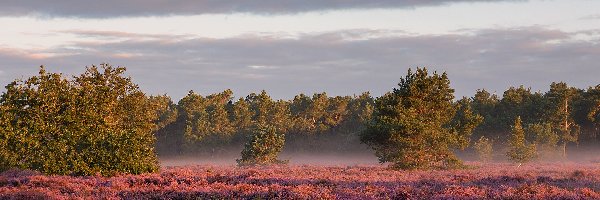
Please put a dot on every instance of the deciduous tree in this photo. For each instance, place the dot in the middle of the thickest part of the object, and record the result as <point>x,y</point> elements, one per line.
<point>97,122</point>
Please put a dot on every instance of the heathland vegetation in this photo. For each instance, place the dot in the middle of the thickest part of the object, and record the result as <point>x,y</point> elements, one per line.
<point>101,123</point>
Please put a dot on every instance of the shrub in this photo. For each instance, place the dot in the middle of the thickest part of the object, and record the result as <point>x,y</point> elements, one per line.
<point>263,146</point>
<point>97,122</point>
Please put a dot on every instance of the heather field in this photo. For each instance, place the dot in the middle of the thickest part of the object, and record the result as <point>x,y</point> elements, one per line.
<point>499,181</point>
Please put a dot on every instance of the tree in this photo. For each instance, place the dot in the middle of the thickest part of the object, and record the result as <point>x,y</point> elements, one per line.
<point>465,121</point>
<point>165,109</point>
<point>263,146</point>
<point>559,113</point>
<point>486,105</point>
<point>585,113</point>
<point>207,121</point>
<point>483,149</point>
<point>221,128</point>
<point>168,132</point>
<point>360,109</point>
<point>310,115</point>
<point>593,95</point>
<point>241,117</point>
<point>192,112</point>
<point>545,138</point>
<point>588,112</point>
<point>414,126</point>
<point>519,151</point>
<point>98,122</point>
<point>267,112</point>
<point>523,103</point>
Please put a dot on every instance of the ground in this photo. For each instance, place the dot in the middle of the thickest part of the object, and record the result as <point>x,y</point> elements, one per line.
<point>500,181</point>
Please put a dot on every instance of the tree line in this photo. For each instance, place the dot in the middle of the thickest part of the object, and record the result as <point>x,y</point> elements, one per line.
<point>550,121</point>
<point>217,122</point>
<point>100,122</point>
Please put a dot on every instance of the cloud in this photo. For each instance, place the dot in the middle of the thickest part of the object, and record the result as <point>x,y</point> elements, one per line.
<point>262,67</point>
<point>104,35</point>
<point>116,8</point>
<point>492,58</point>
<point>591,17</point>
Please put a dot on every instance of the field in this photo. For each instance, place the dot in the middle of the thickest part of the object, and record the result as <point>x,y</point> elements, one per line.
<point>535,181</point>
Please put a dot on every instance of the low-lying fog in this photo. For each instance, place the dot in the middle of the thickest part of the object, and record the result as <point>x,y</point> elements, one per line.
<point>574,154</point>
<point>294,159</point>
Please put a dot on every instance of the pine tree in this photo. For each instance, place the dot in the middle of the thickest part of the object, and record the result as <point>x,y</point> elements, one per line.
<point>414,126</point>
<point>559,113</point>
<point>263,146</point>
<point>519,151</point>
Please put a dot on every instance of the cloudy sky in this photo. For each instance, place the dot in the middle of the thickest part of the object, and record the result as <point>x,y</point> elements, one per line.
<point>287,47</point>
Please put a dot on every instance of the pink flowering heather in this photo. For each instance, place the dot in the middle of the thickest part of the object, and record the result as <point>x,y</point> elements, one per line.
<point>499,181</point>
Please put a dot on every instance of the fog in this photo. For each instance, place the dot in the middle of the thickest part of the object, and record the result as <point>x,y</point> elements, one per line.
<point>578,154</point>
<point>323,154</point>
<point>329,159</point>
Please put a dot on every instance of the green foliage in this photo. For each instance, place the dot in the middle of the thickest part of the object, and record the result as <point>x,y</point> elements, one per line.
<point>593,97</point>
<point>310,123</point>
<point>207,120</point>
<point>483,149</point>
<point>267,112</point>
<point>485,104</point>
<point>544,137</point>
<point>242,116</point>
<point>414,127</point>
<point>523,103</point>
<point>165,109</point>
<point>586,114</point>
<point>318,114</point>
<point>263,146</point>
<point>559,112</point>
<point>464,122</point>
<point>519,150</point>
<point>99,122</point>
<point>169,137</point>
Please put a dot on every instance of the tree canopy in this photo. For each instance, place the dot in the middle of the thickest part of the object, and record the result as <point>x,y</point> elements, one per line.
<point>97,122</point>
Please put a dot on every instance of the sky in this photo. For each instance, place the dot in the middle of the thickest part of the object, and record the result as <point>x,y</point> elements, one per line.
<point>287,47</point>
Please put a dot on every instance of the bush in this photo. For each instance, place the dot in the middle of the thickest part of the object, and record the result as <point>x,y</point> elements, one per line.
<point>98,122</point>
<point>263,146</point>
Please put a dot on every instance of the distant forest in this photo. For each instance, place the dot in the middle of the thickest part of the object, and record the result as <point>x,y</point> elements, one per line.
<point>554,121</point>
<point>101,122</point>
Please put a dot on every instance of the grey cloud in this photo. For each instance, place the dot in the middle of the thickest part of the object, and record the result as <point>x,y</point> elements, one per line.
<point>491,59</point>
<point>117,8</point>
<point>591,17</point>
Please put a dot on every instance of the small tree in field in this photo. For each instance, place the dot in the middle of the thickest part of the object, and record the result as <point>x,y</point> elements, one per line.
<point>520,152</point>
<point>483,148</point>
<point>417,125</point>
<point>263,146</point>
